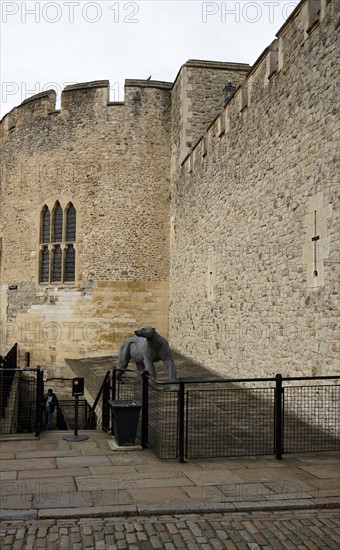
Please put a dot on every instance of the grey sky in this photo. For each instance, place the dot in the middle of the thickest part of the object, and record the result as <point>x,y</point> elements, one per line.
<point>49,44</point>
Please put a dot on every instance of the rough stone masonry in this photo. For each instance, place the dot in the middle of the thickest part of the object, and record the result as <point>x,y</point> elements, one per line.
<point>217,224</point>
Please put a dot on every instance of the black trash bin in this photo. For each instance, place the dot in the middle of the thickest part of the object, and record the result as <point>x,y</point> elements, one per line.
<point>125,416</point>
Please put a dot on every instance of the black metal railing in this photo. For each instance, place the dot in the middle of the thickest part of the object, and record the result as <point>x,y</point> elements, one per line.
<point>23,412</point>
<point>65,418</point>
<point>238,417</point>
<point>99,412</point>
<point>7,365</point>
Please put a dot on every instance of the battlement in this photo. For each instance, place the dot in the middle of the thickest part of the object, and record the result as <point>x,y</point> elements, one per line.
<point>90,99</point>
<point>76,98</point>
<point>213,65</point>
<point>134,83</point>
<point>269,70</point>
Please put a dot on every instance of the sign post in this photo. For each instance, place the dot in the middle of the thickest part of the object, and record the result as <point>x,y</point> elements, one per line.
<point>77,390</point>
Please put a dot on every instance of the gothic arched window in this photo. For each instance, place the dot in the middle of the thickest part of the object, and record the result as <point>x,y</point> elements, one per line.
<point>70,223</point>
<point>57,259</point>
<point>45,225</point>
<point>57,223</point>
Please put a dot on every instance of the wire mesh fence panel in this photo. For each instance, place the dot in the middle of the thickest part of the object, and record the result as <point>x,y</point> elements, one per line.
<point>97,414</point>
<point>27,405</point>
<point>311,418</point>
<point>229,422</point>
<point>130,389</point>
<point>6,382</point>
<point>163,422</point>
<point>8,401</point>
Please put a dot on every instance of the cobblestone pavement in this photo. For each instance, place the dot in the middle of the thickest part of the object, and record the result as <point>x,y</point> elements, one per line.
<point>286,530</point>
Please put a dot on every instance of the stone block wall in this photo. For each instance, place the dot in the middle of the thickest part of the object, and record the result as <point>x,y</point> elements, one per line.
<point>255,248</point>
<point>113,162</point>
<point>197,98</point>
<point>218,224</point>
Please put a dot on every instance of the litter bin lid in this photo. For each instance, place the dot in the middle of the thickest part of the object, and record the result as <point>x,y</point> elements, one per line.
<point>124,403</point>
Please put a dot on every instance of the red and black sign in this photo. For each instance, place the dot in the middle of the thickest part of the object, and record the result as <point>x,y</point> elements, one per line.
<point>77,386</point>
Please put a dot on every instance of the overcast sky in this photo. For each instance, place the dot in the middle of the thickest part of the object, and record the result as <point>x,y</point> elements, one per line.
<point>49,44</point>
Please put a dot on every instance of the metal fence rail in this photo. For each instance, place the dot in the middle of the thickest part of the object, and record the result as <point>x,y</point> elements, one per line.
<point>239,417</point>
<point>23,410</point>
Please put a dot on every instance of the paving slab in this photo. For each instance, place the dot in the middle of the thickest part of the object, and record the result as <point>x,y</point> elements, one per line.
<point>272,474</point>
<point>31,464</point>
<point>114,497</point>
<point>218,464</point>
<point>51,453</point>
<point>16,446</point>
<point>8,475</point>
<point>16,501</point>
<point>241,492</point>
<point>213,477</point>
<point>51,474</point>
<point>26,487</point>
<point>322,483</point>
<point>131,458</point>
<point>83,461</point>
<point>6,455</point>
<point>323,471</point>
<point>55,479</point>
<point>75,499</point>
<point>293,487</point>
<point>204,493</point>
<point>164,467</point>
<point>95,452</point>
<point>135,457</point>
<point>139,480</point>
<point>112,470</point>
<point>157,495</point>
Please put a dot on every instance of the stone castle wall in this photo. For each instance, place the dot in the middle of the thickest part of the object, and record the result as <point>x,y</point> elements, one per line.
<point>217,224</point>
<point>255,248</point>
<point>197,97</point>
<point>112,161</point>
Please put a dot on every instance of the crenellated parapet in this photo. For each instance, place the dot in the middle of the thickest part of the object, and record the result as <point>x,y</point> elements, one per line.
<point>270,73</point>
<point>39,105</point>
<point>255,210</point>
<point>83,100</point>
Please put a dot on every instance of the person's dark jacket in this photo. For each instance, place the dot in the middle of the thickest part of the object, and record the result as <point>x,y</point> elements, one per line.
<point>53,403</point>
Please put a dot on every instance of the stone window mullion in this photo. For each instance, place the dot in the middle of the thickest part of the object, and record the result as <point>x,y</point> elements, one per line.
<point>57,239</point>
<point>63,252</point>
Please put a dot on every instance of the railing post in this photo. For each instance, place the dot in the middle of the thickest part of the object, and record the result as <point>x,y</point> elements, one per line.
<point>105,404</point>
<point>181,432</point>
<point>114,383</point>
<point>278,415</point>
<point>145,410</point>
<point>38,401</point>
<point>15,356</point>
<point>2,393</point>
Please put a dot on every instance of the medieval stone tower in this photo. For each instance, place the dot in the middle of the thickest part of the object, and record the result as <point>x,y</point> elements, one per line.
<point>213,220</point>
